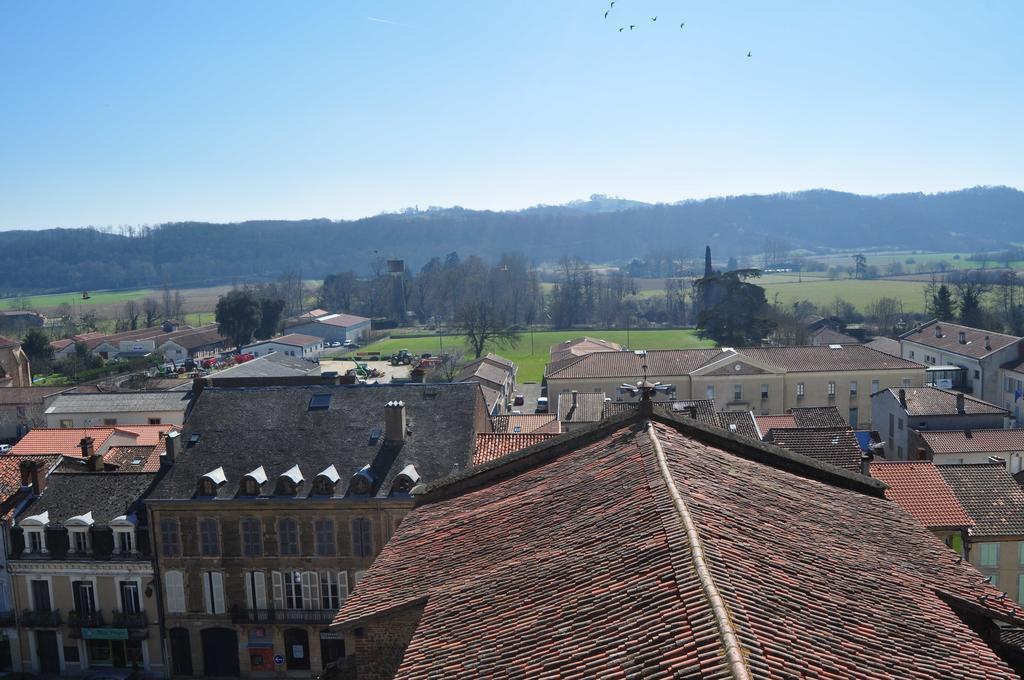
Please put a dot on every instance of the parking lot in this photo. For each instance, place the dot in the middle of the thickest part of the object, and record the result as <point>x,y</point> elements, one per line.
<point>530,392</point>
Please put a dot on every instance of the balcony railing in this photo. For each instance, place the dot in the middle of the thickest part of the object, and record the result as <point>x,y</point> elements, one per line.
<point>50,618</point>
<point>310,616</point>
<point>129,620</point>
<point>85,619</point>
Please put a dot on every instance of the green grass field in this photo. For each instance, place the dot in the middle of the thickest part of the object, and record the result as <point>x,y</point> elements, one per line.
<point>531,363</point>
<point>860,293</point>
<point>105,297</point>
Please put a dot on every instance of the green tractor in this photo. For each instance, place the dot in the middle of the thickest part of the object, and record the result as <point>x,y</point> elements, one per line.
<point>402,358</point>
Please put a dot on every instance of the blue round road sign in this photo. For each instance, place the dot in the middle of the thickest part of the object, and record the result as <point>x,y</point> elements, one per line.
<point>278,659</point>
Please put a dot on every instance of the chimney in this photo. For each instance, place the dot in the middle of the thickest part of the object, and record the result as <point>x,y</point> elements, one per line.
<point>865,463</point>
<point>961,403</point>
<point>394,421</point>
<point>938,331</point>
<point>95,462</point>
<point>988,342</point>
<point>32,476</point>
<point>86,445</point>
<point>173,447</point>
<point>961,337</point>
<point>967,433</point>
<point>903,397</point>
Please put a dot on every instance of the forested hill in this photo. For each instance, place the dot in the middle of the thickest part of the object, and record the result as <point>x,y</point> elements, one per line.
<point>599,230</point>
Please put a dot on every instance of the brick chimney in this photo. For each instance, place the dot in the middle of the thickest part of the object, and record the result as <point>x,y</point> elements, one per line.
<point>86,445</point>
<point>172,447</point>
<point>394,421</point>
<point>32,476</point>
<point>903,397</point>
<point>961,403</point>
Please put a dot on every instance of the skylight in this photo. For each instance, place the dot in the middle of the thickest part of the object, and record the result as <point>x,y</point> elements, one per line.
<point>319,402</point>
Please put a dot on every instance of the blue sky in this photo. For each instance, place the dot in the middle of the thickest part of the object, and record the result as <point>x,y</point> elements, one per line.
<point>127,112</point>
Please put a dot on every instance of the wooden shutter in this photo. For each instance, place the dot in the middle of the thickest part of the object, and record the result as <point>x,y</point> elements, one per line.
<point>249,601</point>
<point>207,601</point>
<point>277,586</point>
<point>260,583</point>
<point>310,590</point>
<point>342,585</point>
<point>175,589</point>
<point>217,584</point>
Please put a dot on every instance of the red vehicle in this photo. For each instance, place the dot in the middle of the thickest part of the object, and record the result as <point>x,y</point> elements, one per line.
<point>242,358</point>
<point>208,362</point>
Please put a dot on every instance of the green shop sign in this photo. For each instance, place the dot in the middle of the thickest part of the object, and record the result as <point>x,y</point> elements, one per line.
<point>105,633</point>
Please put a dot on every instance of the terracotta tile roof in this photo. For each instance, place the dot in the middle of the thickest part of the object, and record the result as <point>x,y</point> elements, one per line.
<point>590,572</point>
<point>10,472</point>
<point>581,346</point>
<point>526,423</point>
<point>980,441</point>
<point>493,445</point>
<point>975,345</point>
<point>832,445</point>
<point>818,416</point>
<point>827,336</point>
<point>483,370</point>
<point>582,407</point>
<point>991,497</point>
<point>933,401</point>
<point>58,345</point>
<point>673,362</point>
<point>768,423</point>
<point>740,423</point>
<point>64,441</point>
<point>918,488</point>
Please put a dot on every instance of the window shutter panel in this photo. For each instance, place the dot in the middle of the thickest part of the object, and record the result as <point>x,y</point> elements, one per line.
<point>307,591</point>
<point>249,603</point>
<point>175,588</point>
<point>342,585</point>
<point>314,590</point>
<point>207,601</point>
<point>218,593</point>
<point>260,580</point>
<point>277,584</point>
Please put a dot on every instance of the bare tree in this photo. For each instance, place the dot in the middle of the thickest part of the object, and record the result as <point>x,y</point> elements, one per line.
<point>151,310</point>
<point>449,367</point>
<point>479,323</point>
<point>131,312</point>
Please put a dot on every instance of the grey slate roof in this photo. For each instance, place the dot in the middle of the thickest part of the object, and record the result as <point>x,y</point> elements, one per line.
<point>242,428</point>
<point>835,446</point>
<point>990,495</point>
<point>106,494</point>
<point>124,402</point>
<point>581,407</point>
<point>273,365</point>
<point>741,422</point>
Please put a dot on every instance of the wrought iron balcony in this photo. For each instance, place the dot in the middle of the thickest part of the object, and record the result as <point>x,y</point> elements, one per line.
<point>129,620</point>
<point>37,619</point>
<point>85,619</point>
<point>309,616</point>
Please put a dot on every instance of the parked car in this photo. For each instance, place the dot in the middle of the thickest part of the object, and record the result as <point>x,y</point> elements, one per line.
<point>518,400</point>
<point>542,404</point>
<point>242,358</point>
<point>352,345</point>
<point>5,448</point>
<point>208,362</point>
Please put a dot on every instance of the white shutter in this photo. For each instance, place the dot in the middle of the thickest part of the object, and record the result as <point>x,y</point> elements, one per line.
<point>207,601</point>
<point>277,585</point>
<point>260,581</point>
<point>249,590</point>
<point>217,583</point>
<point>174,586</point>
<point>342,585</point>
<point>310,590</point>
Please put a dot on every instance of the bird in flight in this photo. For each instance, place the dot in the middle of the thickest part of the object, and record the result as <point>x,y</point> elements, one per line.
<point>682,24</point>
<point>632,26</point>
<point>654,18</point>
<point>621,30</point>
<point>748,54</point>
<point>606,14</point>
<point>612,5</point>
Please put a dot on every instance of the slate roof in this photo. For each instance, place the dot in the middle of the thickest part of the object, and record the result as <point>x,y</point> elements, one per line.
<point>106,495</point>
<point>887,345</point>
<point>950,340</point>
<point>242,428</point>
<point>672,362</point>
<point>701,410</point>
<point>832,445</point>
<point>493,445</point>
<point>934,401</point>
<point>980,441</point>
<point>273,365</point>
<point>293,339</point>
<point>22,396</point>
<point>526,423</point>
<point>342,320</point>
<point>119,402</point>
<point>589,571</point>
<point>917,487</point>
<point>739,422</point>
<point>818,416</point>
<point>991,497</point>
<point>583,407</point>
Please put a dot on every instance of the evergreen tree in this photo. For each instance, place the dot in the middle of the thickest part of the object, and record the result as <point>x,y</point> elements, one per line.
<point>238,313</point>
<point>942,303</point>
<point>735,313</point>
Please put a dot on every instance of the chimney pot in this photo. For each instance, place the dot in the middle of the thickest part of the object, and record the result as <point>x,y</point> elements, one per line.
<point>961,403</point>
<point>32,476</point>
<point>938,331</point>
<point>903,397</point>
<point>394,421</point>
<point>574,395</point>
<point>988,342</point>
<point>172,447</point>
<point>962,338</point>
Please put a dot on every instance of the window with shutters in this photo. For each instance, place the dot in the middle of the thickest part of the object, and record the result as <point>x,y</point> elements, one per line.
<point>213,592</point>
<point>130,602</point>
<point>333,589</point>
<point>288,537</point>
<point>209,538</point>
<point>174,587</point>
<point>255,590</point>
<point>310,589</point>
<point>170,538</point>
<point>362,538</point>
<point>324,530</point>
<point>252,537</point>
<point>799,390</point>
<point>293,590</point>
<point>84,595</point>
<point>832,390</point>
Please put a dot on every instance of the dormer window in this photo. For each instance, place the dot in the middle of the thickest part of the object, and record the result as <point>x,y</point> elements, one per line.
<point>405,480</point>
<point>78,533</point>
<point>210,482</point>
<point>326,481</point>
<point>35,533</point>
<point>252,481</point>
<point>362,482</point>
<point>288,483</point>
<point>124,535</point>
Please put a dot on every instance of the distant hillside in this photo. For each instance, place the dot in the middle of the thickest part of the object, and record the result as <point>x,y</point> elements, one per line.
<point>602,229</point>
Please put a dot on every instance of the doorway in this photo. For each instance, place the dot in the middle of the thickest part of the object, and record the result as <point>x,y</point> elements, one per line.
<point>220,653</point>
<point>296,649</point>
<point>181,652</point>
<point>47,651</point>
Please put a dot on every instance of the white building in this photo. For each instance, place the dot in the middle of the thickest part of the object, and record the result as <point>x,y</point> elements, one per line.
<point>333,327</point>
<point>292,345</point>
<point>117,408</point>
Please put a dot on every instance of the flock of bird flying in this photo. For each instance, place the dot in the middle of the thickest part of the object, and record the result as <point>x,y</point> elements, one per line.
<point>611,6</point>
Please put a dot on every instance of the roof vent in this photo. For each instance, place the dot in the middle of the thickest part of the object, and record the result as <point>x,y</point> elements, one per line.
<point>732,427</point>
<point>835,346</point>
<point>640,352</point>
<point>938,331</point>
<point>961,337</point>
<point>988,342</point>
<point>405,480</point>
<point>319,402</point>
<point>362,482</point>
<point>375,433</point>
